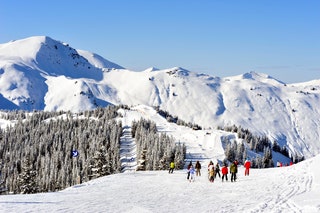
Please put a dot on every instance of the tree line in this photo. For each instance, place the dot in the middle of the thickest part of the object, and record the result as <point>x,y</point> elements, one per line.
<point>175,119</point>
<point>49,151</point>
<point>155,151</point>
<point>40,146</point>
<point>258,144</point>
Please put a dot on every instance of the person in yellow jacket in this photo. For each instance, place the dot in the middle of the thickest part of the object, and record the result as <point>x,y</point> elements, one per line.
<point>234,170</point>
<point>171,167</point>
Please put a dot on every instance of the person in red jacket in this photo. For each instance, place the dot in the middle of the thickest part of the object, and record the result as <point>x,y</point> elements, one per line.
<point>224,171</point>
<point>247,165</point>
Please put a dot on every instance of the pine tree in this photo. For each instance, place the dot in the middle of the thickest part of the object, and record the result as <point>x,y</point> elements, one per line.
<point>240,153</point>
<point>267,158</point>
<point>179,156</point>
<point>257,162</point>
<point>26,179</point>
<point>2,182</point>
<point>230,152</point>
<point>100,166</point>
<point>142,161</point>
<point>276,147</point>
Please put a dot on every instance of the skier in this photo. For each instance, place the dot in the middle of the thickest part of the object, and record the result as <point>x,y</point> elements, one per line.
<point>247,165</point>
<point>224,171</point>
<point>211,171</point>
<point>217,171</point>
<point>192,173</point>
<point>234,170</point>
<point>198,167</point>
<point>171,167</point>
<point>189,166</point>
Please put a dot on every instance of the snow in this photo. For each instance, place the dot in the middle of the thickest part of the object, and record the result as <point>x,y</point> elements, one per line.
<point>40,73</point>
<point>98,61</point>
<point>4,123</point>
<point>287,189</point>
<point>57,99</point>
<point>43,74</point>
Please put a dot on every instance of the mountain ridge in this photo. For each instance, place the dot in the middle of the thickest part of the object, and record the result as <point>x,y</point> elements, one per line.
<point>45,74</point>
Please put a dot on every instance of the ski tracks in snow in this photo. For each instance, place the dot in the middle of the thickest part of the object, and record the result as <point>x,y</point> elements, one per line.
<point>127,149</point>
<point>287,188</point>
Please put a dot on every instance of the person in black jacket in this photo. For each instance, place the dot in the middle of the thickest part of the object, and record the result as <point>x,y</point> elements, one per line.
<point>198,168</point>
<point>217,171</point>
<point>189,166</point>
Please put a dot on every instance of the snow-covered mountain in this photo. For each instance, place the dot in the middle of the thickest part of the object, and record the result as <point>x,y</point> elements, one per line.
<point>44,74</point>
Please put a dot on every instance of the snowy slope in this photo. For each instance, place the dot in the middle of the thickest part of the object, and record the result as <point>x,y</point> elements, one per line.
<point>286,189</point>
<point>28,66</point>
<point>98,61</point>
<point>286,113</point>
<point>290,189</point>
<point>44,74</point>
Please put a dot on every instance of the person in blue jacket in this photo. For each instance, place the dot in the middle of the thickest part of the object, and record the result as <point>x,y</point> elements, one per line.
<point>192,172</point>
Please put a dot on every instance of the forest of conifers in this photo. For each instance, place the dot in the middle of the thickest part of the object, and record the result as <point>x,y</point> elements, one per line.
<point>49,151</point>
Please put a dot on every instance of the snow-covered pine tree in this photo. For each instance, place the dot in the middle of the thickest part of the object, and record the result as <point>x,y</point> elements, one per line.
<point>257,162</point>
<point>239,153</point>
<point>164,158</point>
<point>244,155</point>
<point>252,144</point>
<point>230,152</point>
<point>179,155</point>
<point>142,161</point>
<point>2,182</point>
<point>26,179</point>
<point>100,166</point>
<point>267,158</point>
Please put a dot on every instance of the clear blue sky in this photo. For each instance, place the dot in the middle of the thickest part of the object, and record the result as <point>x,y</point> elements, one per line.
<point>218,37</point>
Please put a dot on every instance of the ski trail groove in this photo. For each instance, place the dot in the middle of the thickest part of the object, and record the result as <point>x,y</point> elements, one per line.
<point>299,182</point>
<point>128,156</point>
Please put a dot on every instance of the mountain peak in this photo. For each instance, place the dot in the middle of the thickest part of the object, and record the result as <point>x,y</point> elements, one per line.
<point>49,56</point>
<point>255,75</point>
<point>24,49</point>
<point>262,77</point>
<point>151,69</point>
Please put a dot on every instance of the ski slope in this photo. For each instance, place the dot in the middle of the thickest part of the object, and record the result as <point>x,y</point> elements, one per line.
<point>286,189</point>
<point>128,154</point>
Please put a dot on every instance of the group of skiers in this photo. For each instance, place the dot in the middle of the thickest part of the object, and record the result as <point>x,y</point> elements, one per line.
<point>214,170</point>
<point>279,164</point>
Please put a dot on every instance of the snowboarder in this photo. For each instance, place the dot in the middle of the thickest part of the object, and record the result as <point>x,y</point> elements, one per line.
<point>217,171</point>
<point>171,167</point>
<point>198,168</point>
<point>247,165</point>
<point>224,171</point>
